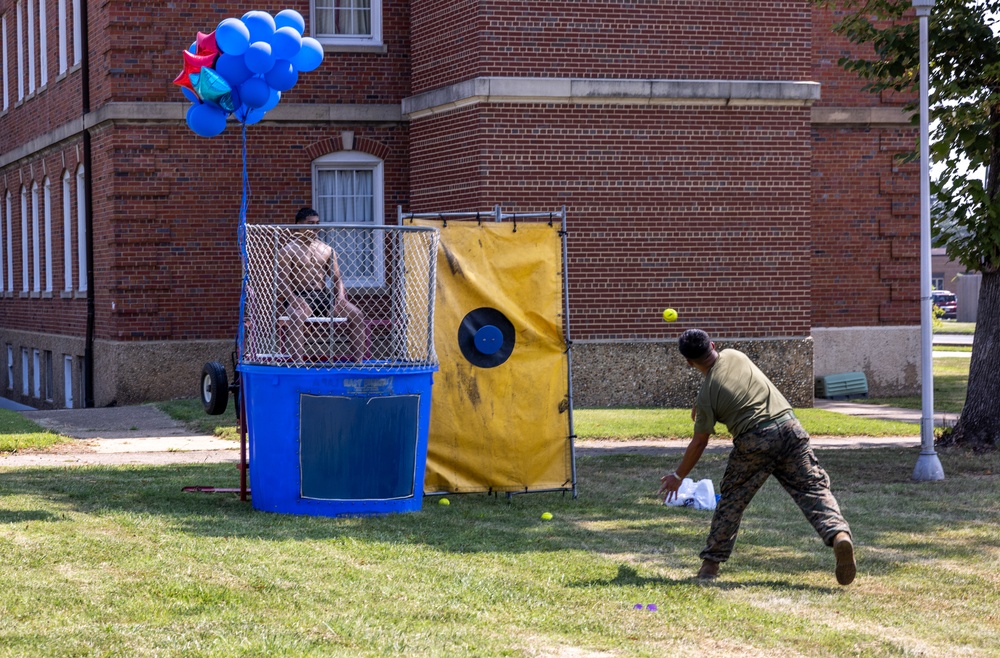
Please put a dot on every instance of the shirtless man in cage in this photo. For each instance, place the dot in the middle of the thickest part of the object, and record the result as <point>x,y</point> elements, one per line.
<point>304,265</point>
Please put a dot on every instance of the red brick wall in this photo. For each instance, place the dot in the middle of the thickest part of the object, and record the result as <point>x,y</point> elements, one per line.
<point>705,209</point>
<point>687,39</point>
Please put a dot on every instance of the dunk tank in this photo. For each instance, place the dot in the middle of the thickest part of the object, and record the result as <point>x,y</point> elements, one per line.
<point>336,364</point>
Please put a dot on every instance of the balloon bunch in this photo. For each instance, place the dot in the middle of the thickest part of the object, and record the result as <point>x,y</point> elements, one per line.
<point>243,66</point>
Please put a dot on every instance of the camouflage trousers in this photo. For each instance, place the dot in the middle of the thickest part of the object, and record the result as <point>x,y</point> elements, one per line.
<point>780,449</point>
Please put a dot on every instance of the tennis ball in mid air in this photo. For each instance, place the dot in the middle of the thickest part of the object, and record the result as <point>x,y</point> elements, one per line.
<point>546,516</point>
<point>669,315</point>
<point>444,501</point>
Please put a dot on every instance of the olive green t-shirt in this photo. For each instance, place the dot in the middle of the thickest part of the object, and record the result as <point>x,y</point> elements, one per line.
<point>736,393</point>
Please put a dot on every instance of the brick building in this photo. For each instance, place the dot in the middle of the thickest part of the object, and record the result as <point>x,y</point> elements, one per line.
<point>712,157</point>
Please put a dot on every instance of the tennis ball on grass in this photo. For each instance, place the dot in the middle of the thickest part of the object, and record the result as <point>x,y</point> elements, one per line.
<point>444,501</point>
<point>546,516</point>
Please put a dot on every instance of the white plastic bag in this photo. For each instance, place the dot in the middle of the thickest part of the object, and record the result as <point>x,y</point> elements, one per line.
<point>699,495</point>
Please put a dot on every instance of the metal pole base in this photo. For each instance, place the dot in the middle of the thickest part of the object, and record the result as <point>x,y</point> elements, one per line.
<point>928,468</point>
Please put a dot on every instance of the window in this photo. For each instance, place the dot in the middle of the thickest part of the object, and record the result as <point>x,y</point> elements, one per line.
<point>347,22</point>
<point>36,265</point>
<point>25,372</point>
<point>347,188</point>
<point>63,36</point>
<point>36,362</point>
<point>81,229</point>
<point>3,241</point>
<point>43,44</point>
<point>10,366</point>
<point>31,47</point>
<point>24,239</point>
<point>67,234</point>
<point>20,52</point>
<point>47,215</point>
<point>68,380</point>
<point>49,380</point>
<point>10,247</point>
<point>3,73</point>
<point>77,36</point>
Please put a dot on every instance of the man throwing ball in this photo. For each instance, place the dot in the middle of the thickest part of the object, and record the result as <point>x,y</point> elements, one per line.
<point>767,440</point>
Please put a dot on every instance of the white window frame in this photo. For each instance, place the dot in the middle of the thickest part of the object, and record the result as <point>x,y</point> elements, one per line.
<point>356,161</point>
<point>67,209</point>
<point>63,36</point>
<point>10,366</point>
<point>68,381</point>
<point>77,33</point>
<point>4,76</point>
<point>36,379</point>
<point>372,39</point>
<point>36,261</point>
<point>20,52</point>
<point>25,277</point>
<point>43,45</point>
<point>4,249</point>
<point>10,245</point>
<point>25,373</point>
<point>31,47</point>
<point>47,216</point>
<point>81,229</point>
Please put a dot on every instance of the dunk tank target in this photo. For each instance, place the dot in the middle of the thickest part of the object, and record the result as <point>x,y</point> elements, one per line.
<point>336,366</point>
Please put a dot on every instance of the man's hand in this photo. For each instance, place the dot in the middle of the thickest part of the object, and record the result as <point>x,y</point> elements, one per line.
<point>694,413</point>
<point>669,484</point>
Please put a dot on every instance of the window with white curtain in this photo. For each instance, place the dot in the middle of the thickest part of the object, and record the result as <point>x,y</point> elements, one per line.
<point>24,239</point>
<point>347,21</point>
<point>43,44</point>
<point>10,245</point>
<point>31,47</point>
<point>47,216</point>
<point>81,229</point>
<point>4,77</point>
<point>63,36</point>
<point>20,51</point>
<point>36,264</point>
<point>67,212</point>
<point>348,189</point>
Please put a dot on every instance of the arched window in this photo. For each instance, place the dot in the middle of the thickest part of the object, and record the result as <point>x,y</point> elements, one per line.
<point>4,282</point>
<point>10,245</point>
<point>348,189</point>
<point>67,213</point>
<point>36,260</point>
<point>24,239</point>
<point>81,229</point>
<point>47,215</point>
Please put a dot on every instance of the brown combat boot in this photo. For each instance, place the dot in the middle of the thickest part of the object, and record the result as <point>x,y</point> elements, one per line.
<point>709,570</point>
<point>843,550</point>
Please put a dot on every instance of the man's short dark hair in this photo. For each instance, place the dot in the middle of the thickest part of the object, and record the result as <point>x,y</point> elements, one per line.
<point>694,344</point>
<point>305,213</point>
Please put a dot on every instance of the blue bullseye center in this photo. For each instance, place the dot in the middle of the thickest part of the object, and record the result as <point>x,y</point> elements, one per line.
<point>488,340</point>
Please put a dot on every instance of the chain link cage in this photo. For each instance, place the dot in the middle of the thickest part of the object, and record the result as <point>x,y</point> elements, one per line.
<point>330,296</point>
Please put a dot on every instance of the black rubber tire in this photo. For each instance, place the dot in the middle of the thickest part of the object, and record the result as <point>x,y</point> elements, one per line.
<point>214,388</point>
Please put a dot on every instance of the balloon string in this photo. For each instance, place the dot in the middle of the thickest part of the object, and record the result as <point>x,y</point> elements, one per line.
<point>241,239</point>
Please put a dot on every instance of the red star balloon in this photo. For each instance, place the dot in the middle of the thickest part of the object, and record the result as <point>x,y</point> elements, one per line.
<point>206,45</point>
<point>194,64</point>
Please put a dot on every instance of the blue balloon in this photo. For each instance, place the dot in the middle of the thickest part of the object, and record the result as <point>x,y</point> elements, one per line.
<point>290,18</point>
<point>254,92</point>
<point>272,101</point>
<point>206,120</point>
<point>232,36</point>
<point>193,48</point>
<point>309,57</point>
<point>233,69</point>
<point>286,43</point>
<point>190,95</point>
<point>282,76</point>
<point>258,57</point>
<point>260,24</point>
<point>248,115</point>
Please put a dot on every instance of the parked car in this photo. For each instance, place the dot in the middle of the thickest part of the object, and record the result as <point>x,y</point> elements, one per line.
<point>947,302</point>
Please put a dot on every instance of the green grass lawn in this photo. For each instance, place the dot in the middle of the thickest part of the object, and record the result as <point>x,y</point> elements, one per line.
<point>951,378</point>
<point>117,561</point>
<point>18,433</point>
<point>952,327</point>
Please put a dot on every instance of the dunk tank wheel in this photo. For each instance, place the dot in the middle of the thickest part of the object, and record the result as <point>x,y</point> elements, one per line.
<point>214,388</point>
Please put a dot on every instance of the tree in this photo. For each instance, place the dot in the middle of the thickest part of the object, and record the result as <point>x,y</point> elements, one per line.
<point>964,103</point>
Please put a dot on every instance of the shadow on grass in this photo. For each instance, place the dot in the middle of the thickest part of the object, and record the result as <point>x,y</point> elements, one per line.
<point>628,576</point>
<point>894,520</point>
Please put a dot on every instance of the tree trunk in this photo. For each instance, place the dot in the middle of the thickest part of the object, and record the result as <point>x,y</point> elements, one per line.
<point>978,427</point>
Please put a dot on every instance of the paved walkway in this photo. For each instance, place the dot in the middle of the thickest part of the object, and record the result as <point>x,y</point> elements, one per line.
<point>145,435</point>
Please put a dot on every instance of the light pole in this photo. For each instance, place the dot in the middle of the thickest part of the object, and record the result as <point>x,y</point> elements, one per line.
<point>928,465</point>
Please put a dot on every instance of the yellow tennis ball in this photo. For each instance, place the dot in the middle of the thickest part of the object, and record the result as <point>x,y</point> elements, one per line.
<point>669,315</point>
<point>444,501</point>
<point>546,516</point>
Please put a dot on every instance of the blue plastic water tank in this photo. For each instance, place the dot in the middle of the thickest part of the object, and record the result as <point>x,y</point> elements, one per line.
<point>345,442</point>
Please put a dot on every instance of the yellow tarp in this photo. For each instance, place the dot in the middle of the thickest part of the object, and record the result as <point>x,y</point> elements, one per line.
<point>504,428</point>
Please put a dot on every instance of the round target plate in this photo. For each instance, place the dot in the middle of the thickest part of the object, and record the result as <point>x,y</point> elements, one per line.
<point>486,337</point>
